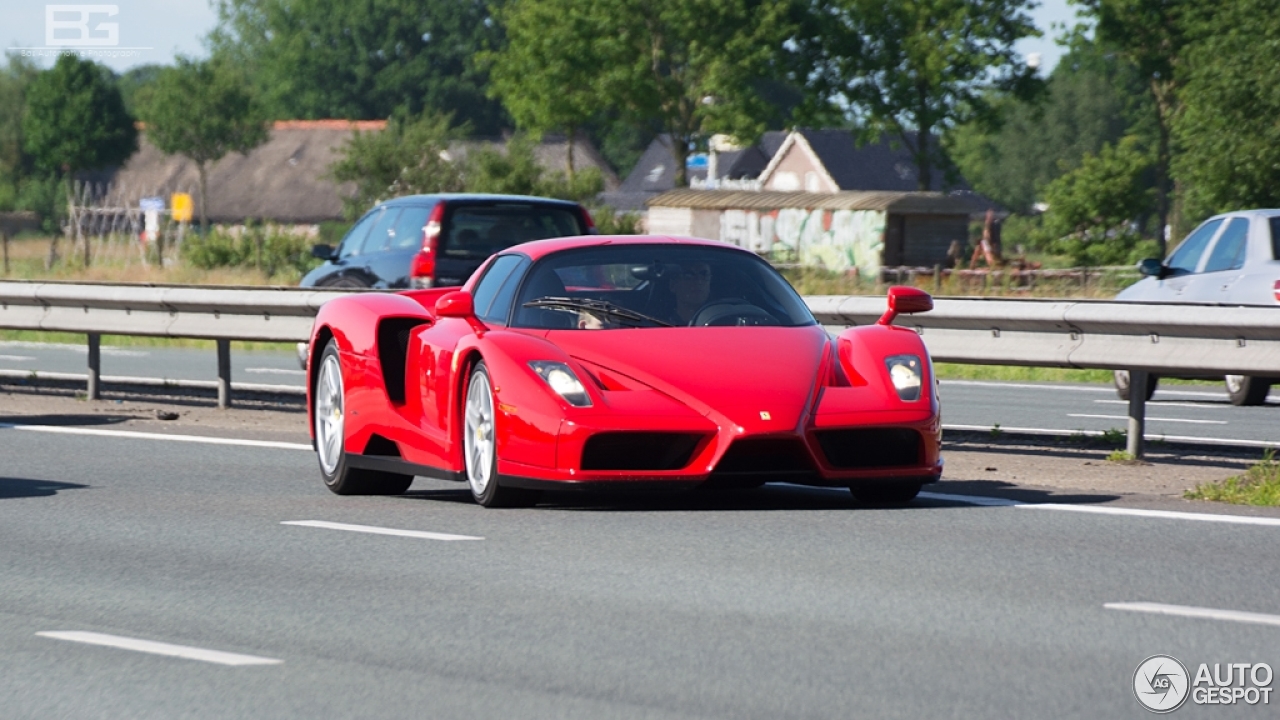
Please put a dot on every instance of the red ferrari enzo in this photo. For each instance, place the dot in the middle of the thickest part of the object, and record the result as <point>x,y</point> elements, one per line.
<point>622,362</point>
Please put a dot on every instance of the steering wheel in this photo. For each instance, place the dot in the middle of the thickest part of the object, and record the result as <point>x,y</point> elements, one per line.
<point>731,311</point>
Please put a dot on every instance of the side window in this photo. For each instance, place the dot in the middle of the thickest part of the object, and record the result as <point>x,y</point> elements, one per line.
<point>488,287</point>
<point>1275,238</point>
<point>407,233</point>
<point>1185,259</point>
<point>1228,253</point>
<point>380,236</point>
<point>352,243</point>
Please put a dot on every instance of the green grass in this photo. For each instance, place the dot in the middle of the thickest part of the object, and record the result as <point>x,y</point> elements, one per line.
<point>136,341</point>
<point>1012,373</point>
<point>1259,485</point>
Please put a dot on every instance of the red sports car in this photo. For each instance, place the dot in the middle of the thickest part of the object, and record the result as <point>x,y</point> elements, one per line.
<point>618,362</point>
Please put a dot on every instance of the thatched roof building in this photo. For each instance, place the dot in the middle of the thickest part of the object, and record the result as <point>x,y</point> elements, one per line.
<point>285,180</point>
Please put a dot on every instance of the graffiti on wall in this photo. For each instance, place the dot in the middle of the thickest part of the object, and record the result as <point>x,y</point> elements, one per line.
<point>839,240</point>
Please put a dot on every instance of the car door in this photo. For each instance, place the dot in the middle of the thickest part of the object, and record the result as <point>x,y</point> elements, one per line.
<point>348,263</point>
<point>391,265</point>
<point>1183,265</point>
<point>1223,264</point>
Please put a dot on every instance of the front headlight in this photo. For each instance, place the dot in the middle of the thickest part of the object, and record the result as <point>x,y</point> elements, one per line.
<point>904,371</point>
<point>562,380</point>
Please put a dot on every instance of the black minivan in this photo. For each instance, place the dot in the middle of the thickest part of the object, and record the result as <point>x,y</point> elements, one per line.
<point>421,241</point>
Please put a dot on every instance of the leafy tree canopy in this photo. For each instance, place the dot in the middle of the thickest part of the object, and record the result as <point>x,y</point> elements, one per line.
<point>1092,208</point>
<point>203,110</point>
<point>1091,98</point>
<point>913,68</point>
<point>1228,130</point>
<point>75,119</point>
<point>688,68</point>
<point>410,156</point>
<point>314,59</point>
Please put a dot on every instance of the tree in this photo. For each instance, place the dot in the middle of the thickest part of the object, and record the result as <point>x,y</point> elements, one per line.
<point>15,163</point>
<point>1228,135</point>
<point>1093,209</point>
<point>515,170</point>
<point>410,156</point>
<point>688,68</point>
<point>1091,98</point>
<point>693,65</point>
<point>75,120</point>
<point>914,68</point>
<point>313,59</point>
<point>545,75</point>
<point>202,110</point>
<point>1151,34</point>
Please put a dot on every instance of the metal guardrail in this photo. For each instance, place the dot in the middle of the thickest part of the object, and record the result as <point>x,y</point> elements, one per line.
<point>221,314</point>
<point>1139,337</point>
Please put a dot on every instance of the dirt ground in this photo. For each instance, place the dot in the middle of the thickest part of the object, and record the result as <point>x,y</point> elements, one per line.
<point>976,463</point>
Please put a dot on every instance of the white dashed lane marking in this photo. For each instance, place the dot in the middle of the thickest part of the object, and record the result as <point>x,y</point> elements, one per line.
<point>158,648</point>
<point>1105,510</point>
<point>422,534</point>
<point>1197,612</point>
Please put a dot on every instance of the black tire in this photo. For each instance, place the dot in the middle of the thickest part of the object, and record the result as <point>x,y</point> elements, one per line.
<point>1248,390</point>
<point>1121,379</point>
<point>480,449</point>
<point>886,492</point>
<point>329,406</point>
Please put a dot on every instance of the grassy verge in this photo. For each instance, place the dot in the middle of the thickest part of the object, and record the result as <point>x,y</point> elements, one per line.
<point>135,341</point>
<point>1259,485</point>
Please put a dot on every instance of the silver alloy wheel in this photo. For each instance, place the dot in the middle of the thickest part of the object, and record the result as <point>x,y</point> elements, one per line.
<point>1235,384</point>
<point>478,433</point>
<point>329,417</point>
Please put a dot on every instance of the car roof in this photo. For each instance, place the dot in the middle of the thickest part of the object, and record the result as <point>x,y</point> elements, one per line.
<point>536,249</point>
<point>473,197</point>
<point>1259,212</point>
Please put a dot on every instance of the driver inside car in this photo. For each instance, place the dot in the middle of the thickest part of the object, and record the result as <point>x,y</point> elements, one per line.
<point>691,286</point>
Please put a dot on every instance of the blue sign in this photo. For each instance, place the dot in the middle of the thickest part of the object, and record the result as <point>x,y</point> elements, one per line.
<point>151,203</point>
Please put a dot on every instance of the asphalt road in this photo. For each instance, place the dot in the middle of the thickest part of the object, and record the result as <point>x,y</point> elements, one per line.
<point>778,603</point>
<point>1176,411</point>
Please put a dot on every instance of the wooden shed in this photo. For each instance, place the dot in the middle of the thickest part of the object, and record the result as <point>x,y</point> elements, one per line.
<point>842,231</point>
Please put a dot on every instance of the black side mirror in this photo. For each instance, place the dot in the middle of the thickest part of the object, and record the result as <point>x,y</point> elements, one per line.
<point>1152,267</point>
<point>324,252</point>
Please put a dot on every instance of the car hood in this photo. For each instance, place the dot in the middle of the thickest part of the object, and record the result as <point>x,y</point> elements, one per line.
<point>742,374</point>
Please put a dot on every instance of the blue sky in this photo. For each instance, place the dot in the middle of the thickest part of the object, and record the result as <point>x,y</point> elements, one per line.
<point>156,30</point>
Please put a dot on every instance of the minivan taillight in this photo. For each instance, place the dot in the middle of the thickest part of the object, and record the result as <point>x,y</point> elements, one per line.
<point>586,218</point>
<point>422,272</point>
<point>1276,288</point>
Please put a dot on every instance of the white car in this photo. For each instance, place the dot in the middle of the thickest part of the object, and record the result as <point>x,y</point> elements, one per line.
<point>1234,259</point>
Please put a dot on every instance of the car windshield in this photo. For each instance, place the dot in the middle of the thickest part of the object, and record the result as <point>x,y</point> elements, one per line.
<point>646,286</point>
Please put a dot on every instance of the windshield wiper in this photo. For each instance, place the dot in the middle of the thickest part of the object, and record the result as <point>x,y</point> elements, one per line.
<point>603,307</point>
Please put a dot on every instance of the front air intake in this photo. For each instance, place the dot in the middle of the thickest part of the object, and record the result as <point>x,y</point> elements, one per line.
<point>863,448</point>
<point>639,450</point>
<point>765,456</point>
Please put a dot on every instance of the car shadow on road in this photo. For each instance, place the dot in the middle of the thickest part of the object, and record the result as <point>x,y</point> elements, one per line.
<point>77,420</point>
<point>1012,492</point>
<point>25,487</point>
<point>778,497</point>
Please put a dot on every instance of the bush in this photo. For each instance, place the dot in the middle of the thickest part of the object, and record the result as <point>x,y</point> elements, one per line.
<point>609,222</point>
<point>271,249</point>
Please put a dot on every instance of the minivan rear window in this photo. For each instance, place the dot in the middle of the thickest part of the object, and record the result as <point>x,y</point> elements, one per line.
<point>480,230</point>
<point>1275,237</point>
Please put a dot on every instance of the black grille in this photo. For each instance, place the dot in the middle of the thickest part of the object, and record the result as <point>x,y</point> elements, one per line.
<point>639,450</point>
<point>766,456</point>
<point>870,447</point>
